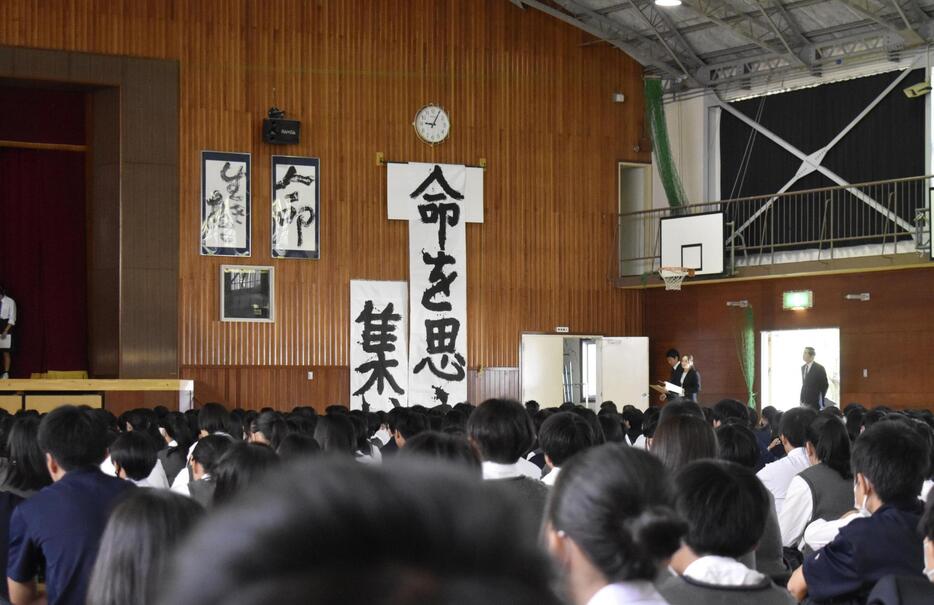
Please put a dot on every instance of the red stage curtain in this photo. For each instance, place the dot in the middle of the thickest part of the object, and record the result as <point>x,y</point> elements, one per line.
<point>43,257</point>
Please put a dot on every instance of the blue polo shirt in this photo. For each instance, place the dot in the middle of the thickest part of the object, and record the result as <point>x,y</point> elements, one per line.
<point>865,551</point>
<point>62,525</point>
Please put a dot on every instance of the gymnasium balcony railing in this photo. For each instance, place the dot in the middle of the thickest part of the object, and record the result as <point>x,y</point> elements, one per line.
<point>830,228</point>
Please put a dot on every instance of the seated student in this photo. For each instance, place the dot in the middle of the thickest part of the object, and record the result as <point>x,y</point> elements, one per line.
<point>22,474</point>
<point>726,508</point>
<point>134,457</point>
<point>178,439</point>
<point>563,435</point>
<point>888,464</point>
<point>242,465</point>
<point>212,419</point>
<point>408,424</point>
<point>649,424</point>
<point>682,439</point>
<point>334,531</point>
<point>738,444</point>
<point>137,545</point>
<point>335,434</point>
<point>825,489</point>
<point>502,432</point>
<point>777,475</point>
<point>204,459</point>
<point>728,411</point>
<point>911,590</point>
<point>61,526</point>
<point>454,449</point>
<point>268,428</point>
<point>610,527</point>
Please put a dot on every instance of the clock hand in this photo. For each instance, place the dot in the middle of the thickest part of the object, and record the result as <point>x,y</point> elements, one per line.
<point>436,118</point>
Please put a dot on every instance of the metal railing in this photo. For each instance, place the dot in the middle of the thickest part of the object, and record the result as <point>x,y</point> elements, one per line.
<point>878,218</point>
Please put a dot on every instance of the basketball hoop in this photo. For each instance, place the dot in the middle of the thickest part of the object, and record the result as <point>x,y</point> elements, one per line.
<point>673,276</point>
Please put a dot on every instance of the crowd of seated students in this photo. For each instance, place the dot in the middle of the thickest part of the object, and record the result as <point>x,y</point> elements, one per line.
<point>496,503</point>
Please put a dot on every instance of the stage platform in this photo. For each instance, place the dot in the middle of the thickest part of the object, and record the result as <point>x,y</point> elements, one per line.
<point>44,395</point>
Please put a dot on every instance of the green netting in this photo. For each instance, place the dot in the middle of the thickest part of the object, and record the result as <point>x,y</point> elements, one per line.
<point>746,350</point>
<point>661,144</point>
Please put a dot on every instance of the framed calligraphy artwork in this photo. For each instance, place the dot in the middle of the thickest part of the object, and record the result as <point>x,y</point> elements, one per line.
<point>295,210</point>
<point>225,204</point>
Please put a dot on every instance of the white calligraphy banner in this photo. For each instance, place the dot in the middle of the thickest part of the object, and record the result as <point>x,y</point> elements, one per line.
<point>379,363</point>
<point>437,285</point>
<point>401,175</point>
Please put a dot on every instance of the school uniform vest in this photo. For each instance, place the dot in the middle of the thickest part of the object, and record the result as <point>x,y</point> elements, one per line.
<point>831,493</point>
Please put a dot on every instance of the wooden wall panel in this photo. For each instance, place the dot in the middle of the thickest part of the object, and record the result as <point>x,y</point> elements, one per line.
<point>891,335</point>
<point>524,91</point>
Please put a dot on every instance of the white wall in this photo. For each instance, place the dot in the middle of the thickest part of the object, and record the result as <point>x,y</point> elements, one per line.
<point>686,129</point>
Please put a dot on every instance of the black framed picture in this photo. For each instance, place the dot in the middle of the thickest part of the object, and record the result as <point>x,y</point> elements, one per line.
<point>295,211</point>
<point>225,204</point>
<point>248,293</point>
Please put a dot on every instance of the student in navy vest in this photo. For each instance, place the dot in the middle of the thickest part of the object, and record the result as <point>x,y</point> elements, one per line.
<point>63,523</point>
<point>889,463</point>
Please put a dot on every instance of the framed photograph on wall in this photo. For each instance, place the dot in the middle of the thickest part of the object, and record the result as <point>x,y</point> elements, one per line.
<point>295,216</point>
<point>225,204</point>
<point>248,293</point>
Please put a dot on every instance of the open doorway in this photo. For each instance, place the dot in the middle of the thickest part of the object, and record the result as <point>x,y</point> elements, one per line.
<point>781,364</point>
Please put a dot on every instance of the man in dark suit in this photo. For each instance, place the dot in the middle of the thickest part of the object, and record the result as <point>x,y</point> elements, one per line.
<point>673,357</point>
<point>813,381</point>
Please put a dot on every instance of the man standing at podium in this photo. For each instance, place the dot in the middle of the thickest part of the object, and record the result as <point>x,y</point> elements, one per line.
<point>813,381</point>
<point>7,321</point>
<point>673,357</point>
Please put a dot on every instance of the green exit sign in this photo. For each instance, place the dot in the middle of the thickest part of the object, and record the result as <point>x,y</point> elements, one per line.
<point>797,300</point>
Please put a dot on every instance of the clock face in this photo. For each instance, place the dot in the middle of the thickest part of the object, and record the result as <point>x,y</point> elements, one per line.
<point>432,124</point>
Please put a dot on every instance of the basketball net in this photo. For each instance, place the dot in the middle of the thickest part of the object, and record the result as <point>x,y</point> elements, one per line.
<point>674,276</point>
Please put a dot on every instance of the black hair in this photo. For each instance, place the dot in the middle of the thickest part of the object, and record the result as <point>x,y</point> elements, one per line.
<point>725,506</point>
<point>615,503</point>
<point>673,353</point>
<point>649,423</point>
<point>612,426</point>
<point>134,453</point>
<point>795,424</point>
<point>361,434</point>
<point>502,430</point>
<point>27,468</point>
<point>176,427</point>
<point>297,445</point>
<point>532,406</point>
<point>335,434</point>
<point>730,410</point>
<point>454,449</point>
<point>682,439</point>
<point>892,459</point>
<point>737,443</point>
<point>209,450</point>
<point>272,426</point>
<point>145,422</point>
<point>591,417</point>
<point>410,423</point>
<point>336,409</point>
<point>681,407</point>
<point>871,417</point>
<point>774,417</point>
<point>831,444</point>
<point>854,421</point>
<point>73,437</point>
<point>416,531</point>
<point>564,435</point>
<point>609,406</point>
<point>242,465</point>
<point>214,418</point>
<point>455,422</point>
<point>137,545</point>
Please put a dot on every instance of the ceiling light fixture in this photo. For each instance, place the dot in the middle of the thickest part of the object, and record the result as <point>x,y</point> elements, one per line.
<point>667,2</point>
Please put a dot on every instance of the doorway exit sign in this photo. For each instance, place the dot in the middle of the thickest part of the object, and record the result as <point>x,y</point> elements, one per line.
<point>797,300</point>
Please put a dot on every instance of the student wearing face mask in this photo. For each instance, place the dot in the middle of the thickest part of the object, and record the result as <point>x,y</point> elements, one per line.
<point>889,463</point>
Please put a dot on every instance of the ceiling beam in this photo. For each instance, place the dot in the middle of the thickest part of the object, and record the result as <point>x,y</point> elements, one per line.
<point>646,52</point>
<point>664,26</point>
<point>870,10</point>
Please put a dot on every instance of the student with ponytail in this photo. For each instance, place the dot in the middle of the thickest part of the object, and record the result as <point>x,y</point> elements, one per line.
<point>825,489</point>
<point>611,527</point>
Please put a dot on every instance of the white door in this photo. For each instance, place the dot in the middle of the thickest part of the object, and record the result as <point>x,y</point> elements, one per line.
<point>625,370</point>
<point>541,366</point>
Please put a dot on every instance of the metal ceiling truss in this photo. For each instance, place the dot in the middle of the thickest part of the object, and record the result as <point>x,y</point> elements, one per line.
<point>776,44</point>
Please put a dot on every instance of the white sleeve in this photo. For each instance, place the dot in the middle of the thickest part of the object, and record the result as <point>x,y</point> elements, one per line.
<point>820,533</point>
<point>796,511</point>
<point>12,318</point>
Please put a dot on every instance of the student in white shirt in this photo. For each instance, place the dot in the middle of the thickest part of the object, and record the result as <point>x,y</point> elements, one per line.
<point>7,321</point>
<point>776,476</point>
<point>628,490</point>
<point>825,489</point>
<point>562,435</point>
<point>134,458</point>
